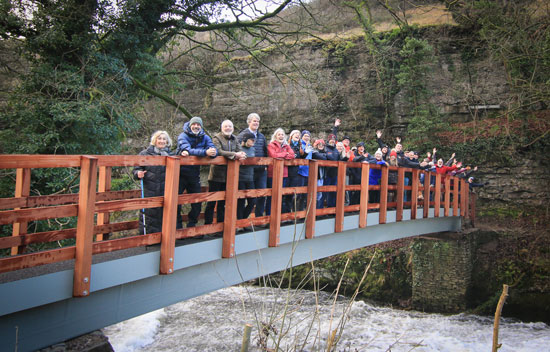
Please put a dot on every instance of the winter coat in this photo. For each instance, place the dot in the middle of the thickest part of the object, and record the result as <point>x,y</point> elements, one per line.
<point>260,145</point>
<point>195,145</point>
<point>227,146</point>
<point>153,186</point>
<point>375,175</point>
<point>246,172</point>
<point>276,150</point>
<point>295,146</point>
<point>334,155</point>
<point>303,170</point>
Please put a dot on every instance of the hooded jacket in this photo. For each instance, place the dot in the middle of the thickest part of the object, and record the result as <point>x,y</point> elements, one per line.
<point>195,145</point>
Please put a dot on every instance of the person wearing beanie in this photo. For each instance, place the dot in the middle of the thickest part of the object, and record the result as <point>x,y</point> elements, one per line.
<point>319,153</point>
<point>193,142</point>
<point>260,151</point>
<point>294,179</point>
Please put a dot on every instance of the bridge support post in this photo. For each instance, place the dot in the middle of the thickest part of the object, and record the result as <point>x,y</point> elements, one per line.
<point>437,195</point>
<point>340,198</point>
<point>414,193</point>
<point>169,215</point>
<point>426,207</point>
<point>364,200</point>
<point>311,208</point>
<point>230,217</point>
<point>85,227</point>
<point>400,193</point>
<point>22,189</point>
<point>383,195</point>
<point>276,202</point>
<point>104,185</point>
<point>455,196</point>
<point>447,195</point>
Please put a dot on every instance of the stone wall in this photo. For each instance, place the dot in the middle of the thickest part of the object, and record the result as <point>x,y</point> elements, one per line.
<point>441,273</point>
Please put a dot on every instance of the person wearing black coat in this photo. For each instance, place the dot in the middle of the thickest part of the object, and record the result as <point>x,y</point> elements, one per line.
<point>150,219</point>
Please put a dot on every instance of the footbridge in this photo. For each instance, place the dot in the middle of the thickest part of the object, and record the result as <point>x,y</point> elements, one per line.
<point>56,284</point>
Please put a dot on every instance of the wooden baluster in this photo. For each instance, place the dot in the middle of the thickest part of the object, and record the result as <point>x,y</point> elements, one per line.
<point>104,186</point>
<point>85,226</point>
<point>400,193</point>
<point>437,195</point>
<point>230,217</point>
<point>276,202</point>
<point>169,215</point>
<point>455,195</point>
<point>463,192</point>
<point>426,209</point>
<point>364,198</point>
<point>311,198</point>
<point>340,197</point>
<point>447,195</point>
<point>22,189</point>
<point>414,193</point>
<point>466,199</point>
<point>383,195</point>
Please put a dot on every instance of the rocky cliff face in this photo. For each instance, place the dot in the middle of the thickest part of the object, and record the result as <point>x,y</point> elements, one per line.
<point>337,79</point>
<point>315,82</point>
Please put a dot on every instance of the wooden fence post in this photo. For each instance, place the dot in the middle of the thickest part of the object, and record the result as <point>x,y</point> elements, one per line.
<point>383,195</point>
<point>463,191</point>
<point>455,195</point>
<point>437,195</point>
<point>414,193</point>
<point>340,198</point>
<point>85,226</point>
<point>447,195</point>
<point>230,217</point>
<point>400,193</point>
<point>169,215</point>
<point>104,185</point>
<point>276,202</point>
<point>364,197</point>
<point>22,189</point>
<point>426,209</point>
<point>311,208</point>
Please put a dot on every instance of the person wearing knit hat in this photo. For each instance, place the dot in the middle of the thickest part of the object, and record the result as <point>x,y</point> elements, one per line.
<point>246,136</point>
<point>196,119</point>
<point>193,142</point>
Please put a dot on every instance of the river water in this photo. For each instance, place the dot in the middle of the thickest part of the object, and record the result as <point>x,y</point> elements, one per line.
<point>299,320</point>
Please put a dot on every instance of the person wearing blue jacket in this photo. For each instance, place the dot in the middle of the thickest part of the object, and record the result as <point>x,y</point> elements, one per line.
<point>193,142</point>
<point>260,151</point>
<point>375,175</point>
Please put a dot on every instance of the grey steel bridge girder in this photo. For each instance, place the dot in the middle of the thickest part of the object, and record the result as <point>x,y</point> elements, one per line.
<point>41,311</point>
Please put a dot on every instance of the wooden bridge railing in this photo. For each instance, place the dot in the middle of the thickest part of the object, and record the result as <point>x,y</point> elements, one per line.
<point>95,202</point>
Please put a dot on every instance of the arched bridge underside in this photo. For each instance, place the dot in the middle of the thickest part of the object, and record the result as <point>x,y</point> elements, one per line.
<point>39,311</point>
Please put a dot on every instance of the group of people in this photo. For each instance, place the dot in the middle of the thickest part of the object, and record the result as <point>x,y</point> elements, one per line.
<point>250,142</point>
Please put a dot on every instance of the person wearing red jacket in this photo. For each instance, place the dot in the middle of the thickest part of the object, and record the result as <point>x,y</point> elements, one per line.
<point>278,148</point>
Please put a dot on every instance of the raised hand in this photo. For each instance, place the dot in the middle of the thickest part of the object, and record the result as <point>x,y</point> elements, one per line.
<point>337,122</point>
<point>398,139</point>
<point>378,134</point>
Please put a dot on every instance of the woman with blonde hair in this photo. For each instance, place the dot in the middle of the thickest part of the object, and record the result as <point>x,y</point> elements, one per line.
<point>278,148</point>
<point>152,180</point>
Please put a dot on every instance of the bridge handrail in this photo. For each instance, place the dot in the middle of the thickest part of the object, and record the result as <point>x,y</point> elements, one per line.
<point>24,208</point>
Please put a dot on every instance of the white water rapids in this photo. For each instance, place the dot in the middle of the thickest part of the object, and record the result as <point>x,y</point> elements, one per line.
<point>304,320</point>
